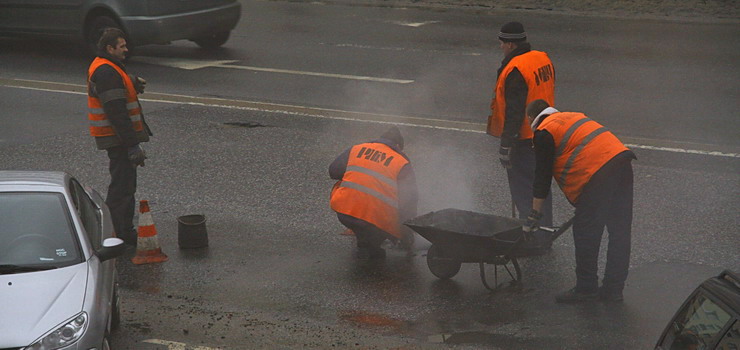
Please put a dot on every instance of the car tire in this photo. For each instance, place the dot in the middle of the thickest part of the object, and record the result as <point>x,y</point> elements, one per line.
<point>115,312</point>
<point>95,28</point>
<point>106,344</point>
<point>212,41</point>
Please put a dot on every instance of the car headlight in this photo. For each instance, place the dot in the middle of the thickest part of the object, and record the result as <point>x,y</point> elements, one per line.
<point>62,336</point>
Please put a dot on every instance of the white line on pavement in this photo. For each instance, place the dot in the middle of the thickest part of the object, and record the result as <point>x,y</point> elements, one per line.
<point>189,64</point>
<point>665,146</point>
<point>413,24</point>
<point>173,345</point>
<point>392,48</point>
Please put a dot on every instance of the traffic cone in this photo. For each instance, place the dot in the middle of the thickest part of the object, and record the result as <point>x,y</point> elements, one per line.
<point>147,245</point>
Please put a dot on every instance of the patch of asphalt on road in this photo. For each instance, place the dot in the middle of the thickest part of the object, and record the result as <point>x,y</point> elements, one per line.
<point>198,322</point>
<point>265,192</point>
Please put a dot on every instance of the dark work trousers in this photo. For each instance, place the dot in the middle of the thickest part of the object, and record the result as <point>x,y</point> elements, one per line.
<point>368,235</point>
<point>521,180</point>
<point>120,199</point>
<point>606,200</point>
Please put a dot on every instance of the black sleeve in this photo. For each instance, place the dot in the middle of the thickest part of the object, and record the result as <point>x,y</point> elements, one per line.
<point>408,194</point>
<point>544,149</point>
<point>110,90</point>
<point>339,165</point>
<point>516,91</point>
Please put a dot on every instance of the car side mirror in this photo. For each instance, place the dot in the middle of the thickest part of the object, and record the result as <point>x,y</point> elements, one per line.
<point>112,247</point>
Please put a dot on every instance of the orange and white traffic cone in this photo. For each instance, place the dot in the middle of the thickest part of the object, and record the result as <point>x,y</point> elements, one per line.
<point>147,245</point>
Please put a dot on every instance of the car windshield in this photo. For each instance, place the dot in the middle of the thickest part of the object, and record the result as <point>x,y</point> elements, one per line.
<point>36,232</point>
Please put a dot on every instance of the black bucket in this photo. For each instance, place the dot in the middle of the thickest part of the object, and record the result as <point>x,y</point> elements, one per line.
<point>191,231</point>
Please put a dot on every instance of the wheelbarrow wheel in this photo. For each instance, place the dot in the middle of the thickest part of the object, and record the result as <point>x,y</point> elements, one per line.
<point>443,268</point>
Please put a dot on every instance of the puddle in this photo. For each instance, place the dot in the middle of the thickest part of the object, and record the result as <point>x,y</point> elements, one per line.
<point>367,319</point>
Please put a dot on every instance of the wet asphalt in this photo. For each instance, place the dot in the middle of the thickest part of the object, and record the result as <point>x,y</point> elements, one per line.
<point>277,274</point>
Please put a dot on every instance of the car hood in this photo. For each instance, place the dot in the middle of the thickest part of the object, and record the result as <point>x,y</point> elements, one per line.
<point>33,303</point>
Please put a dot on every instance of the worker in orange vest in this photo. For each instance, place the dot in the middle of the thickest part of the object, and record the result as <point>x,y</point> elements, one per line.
<point>594,171</point>
<point>376,193</point>
<point>117,123</point>
<point>525,75</point>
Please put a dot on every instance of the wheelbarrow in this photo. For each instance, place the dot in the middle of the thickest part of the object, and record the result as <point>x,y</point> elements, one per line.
<point>460,236</point>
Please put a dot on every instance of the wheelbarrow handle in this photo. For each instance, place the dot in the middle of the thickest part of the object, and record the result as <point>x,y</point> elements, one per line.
<point>564,227</point>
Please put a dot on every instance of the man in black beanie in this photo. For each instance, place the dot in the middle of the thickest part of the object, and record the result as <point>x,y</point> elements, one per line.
<point>525,75</point>
<point>376,193</point>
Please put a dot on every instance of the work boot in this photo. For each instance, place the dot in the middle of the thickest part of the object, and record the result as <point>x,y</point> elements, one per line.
<point>574,296</point>
<point>610,295</point>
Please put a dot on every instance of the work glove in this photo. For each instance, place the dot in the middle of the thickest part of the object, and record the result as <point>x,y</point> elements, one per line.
<point>503,156</point>
<point>139,83</point>
<point>533,221</point>
<point>136,155</point>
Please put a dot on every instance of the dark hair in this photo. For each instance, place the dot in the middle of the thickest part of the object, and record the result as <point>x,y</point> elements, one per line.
<point>109,36</point>
<point>536,107</point>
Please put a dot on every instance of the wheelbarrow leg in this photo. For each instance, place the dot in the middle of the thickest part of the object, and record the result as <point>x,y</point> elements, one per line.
<point>515,279</point>
<point>483,276</point>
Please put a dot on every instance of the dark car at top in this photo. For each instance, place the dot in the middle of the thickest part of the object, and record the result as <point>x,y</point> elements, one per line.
<point>206,22</point>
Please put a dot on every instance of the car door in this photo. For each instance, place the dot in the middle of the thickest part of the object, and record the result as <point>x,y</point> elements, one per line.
<point>91,216</point>
<point>168,7</point>
<point>49,17</point>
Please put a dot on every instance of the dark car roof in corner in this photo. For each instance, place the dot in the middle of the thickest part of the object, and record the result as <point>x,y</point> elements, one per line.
<point>25,177</point>
<point>726,287</point>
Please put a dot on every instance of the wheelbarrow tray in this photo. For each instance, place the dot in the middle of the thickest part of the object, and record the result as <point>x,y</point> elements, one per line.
<point>468,236</point>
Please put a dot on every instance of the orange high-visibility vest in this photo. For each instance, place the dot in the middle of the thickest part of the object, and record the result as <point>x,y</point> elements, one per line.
<point>582,147</point>
<point>369,187</point>
<point>99,123</point>
<point>539,75</point>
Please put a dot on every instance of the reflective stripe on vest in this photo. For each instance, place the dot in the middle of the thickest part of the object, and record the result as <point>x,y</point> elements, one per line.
<point>98,121</point>
<point>539,75</point>
<point>390,201</point>
<point>369,188</point>
<point>583,146</point>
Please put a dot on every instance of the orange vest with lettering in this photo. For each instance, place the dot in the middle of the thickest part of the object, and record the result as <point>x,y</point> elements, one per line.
<point>369,187</point>
<point>582,147</point>
<point>99,123</point>
<point>539,75</point>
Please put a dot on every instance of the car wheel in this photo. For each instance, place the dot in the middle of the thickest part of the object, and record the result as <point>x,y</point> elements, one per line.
<point>115,313</point>
<point>95,28</point>
<point>212,41</point>
<point>106,344</point>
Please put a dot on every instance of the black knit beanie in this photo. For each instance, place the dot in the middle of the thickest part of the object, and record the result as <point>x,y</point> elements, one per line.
<point>512,32</point>
<point>394,135</point>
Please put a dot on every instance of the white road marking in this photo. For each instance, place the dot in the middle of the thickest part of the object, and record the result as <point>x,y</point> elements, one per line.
<point>413,24</point>
<point>199,64</point>
<point>337,114</point>
<point>186,64</point>
<point>173,345</point>
<point>391,48</point>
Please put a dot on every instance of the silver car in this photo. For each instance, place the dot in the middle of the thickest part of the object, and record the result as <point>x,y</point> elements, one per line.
<point>57,272</point>
<point>206,22</point>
